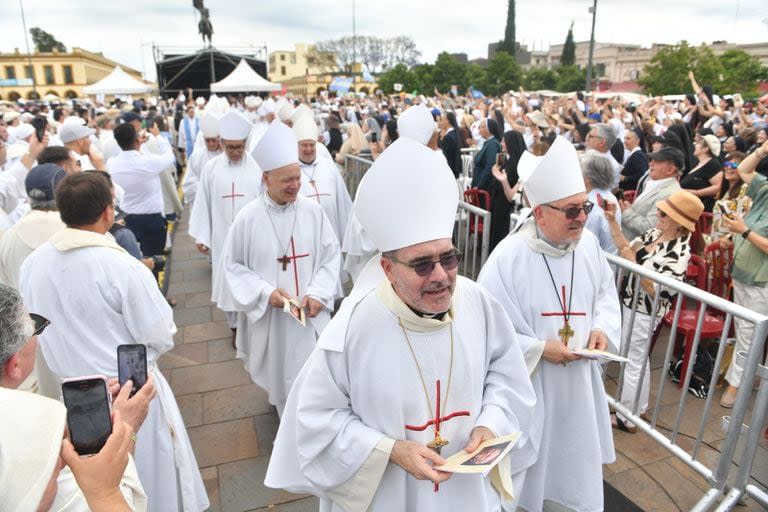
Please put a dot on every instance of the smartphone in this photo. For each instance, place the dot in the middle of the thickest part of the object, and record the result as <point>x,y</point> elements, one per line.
<point>724,211</point>
<point>374,137</point>
<point>601,202</point>
<point>501,159</point>
<point>89,415</point>
<point>40,123</point>
<point>132,364</point>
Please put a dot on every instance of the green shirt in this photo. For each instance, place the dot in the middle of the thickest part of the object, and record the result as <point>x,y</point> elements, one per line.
<point>750,264</point>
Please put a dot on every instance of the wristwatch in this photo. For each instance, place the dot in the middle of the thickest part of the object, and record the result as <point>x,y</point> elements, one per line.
<point>745,234</point>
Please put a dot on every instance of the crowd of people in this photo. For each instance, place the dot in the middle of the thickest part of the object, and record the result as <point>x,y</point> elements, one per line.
<point>351,314</point>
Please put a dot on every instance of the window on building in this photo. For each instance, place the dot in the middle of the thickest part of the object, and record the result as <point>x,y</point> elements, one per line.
<point>293,58</point>
<point>49,79</point>
<point>10,72</point>
<point>282,70</point>
<point>600,69</point>
<point>29,72</point>
<point>282,57</point>
<point>68,78</point>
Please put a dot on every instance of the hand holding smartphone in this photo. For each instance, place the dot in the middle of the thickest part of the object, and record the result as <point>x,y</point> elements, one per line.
<point>132,365</point>
<point>88,413</point>
<point>501,159</point>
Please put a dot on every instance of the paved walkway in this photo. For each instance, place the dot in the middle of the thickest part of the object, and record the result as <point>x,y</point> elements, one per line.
<point>232,426</point>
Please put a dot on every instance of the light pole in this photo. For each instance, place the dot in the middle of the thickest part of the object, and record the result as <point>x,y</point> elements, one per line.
<point>29,54</point>
<point>588,86</point>
<point>354,38</point>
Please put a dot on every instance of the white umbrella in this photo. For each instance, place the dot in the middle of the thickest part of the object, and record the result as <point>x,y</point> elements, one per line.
<point>117,82</point>
<point>244,79</point>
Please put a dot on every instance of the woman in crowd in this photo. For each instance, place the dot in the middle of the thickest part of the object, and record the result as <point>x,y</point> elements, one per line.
<point>667,250</point>
<point>504,186</point>
<point>356,144</point>
<point>449,141</point>
<point>485,159</point>
<point>706,177</point>
<point>332,138</point>
<point>750,263</point>
<point>465,130</point>
<point>733,197</point>
<point>598,180</point>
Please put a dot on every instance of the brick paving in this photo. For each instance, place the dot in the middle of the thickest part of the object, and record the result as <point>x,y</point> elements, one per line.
<point>232,426</point>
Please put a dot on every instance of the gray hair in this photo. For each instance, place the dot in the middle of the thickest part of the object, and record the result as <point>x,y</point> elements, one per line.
<point>14,324</point>
<point>607,133</point>
<point>598,170</point>
<point>38,200</point>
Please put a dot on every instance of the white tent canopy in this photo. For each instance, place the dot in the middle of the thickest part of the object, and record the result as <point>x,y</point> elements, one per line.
<point>118,82</point>
<point>244,79</point>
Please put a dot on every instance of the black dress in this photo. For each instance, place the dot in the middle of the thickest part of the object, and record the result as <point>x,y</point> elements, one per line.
<point>450,146</point>
<point>500,206</point>
<point>699,179</point>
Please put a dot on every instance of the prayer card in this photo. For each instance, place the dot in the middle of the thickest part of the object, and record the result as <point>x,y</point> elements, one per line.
<point>293,307</point>
<point>482,460</point>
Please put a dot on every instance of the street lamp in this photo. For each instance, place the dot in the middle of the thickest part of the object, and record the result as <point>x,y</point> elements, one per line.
<point>593,10</point>
<point>29,54</point>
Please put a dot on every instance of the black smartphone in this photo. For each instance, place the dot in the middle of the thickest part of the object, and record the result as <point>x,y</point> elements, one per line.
<point>374,137</point>
<point>88,413</point>
<point>40,123</point>
<point>132,364</point>
<point>724,211</point>
<point>501,159</point>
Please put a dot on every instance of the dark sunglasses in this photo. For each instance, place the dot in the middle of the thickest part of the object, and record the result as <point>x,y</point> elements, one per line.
<point>732,165</point>
<point>40,323</point>
<point>424,268</point>
<point>574,211</point>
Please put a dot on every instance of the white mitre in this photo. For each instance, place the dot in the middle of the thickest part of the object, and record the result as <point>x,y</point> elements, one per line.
<point>302,111</point>
<point>305,129</point>
<point>217,105</point>
<point>234,126</point>
<point>285,112</point>
<point>416,123</point>
<point>209,125</point>
<point>407,197</point>
<point>551,177</point>
<point>269,106</point>
<point>277,148</point>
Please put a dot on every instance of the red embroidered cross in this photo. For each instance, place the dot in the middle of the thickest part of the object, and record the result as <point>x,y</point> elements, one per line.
<point>566,333</point>
<point>285,260</point>
<point>233,196</point>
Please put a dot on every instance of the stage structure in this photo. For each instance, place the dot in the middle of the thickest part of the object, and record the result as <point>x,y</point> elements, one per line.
<point>180,68</point>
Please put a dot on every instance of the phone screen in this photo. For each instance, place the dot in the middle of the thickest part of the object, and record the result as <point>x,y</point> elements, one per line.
<point>88,414</point>
<point>132,364</point>
<point>374,137</point>
<point>500,159</point>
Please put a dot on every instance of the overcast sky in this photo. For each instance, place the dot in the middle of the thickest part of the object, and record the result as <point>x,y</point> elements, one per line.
<point>125,31</point>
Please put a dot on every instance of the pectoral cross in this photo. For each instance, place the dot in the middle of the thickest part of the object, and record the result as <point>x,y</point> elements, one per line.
<point>438,442</point>
<point>566,333</point>
<point>317,193</point>
<point>285,260</point>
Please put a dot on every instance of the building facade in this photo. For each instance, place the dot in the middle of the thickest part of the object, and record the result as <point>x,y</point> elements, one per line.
<point>302,61</point>
<point>62,74</point>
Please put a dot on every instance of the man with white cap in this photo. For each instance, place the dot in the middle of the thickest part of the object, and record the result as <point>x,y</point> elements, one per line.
<point>554,282</point>
<point>209,127</point>
<point>352,433</point>
<point>228,182</point>
<point>320,178</point>
<point>76,137</point>
<point>280,247</point>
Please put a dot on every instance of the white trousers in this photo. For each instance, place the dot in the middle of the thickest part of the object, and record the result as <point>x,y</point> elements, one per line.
<point>756,299</point>
<point>638,344</point>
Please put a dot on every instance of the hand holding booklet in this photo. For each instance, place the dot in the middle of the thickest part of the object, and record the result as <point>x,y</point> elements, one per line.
<point>293,308</point>
<point>483,459</point>
<point>600,355</point>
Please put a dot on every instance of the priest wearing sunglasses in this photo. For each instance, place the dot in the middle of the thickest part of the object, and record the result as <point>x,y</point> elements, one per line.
<point>417,365</point>
<point>555,284</point>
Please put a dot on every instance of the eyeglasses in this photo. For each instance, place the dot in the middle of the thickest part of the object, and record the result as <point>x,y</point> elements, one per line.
<point>234,147</point>
<point>424,268</point>
<point>574,211</point>
<point>40,323</point>
<point>731,164</point>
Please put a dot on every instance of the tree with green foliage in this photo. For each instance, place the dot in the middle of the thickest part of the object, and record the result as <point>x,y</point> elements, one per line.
<point>508,44</point>
<point>540,78</point>
<point>448,71</point>
<point>741,72</point>
<point>45,42</point>
<point>502,74</point>
<point>476,76</point>
<point>570,78</point>
<point>568,58</point>
<point>667,73</point>
<point>399,74</point>
<point>423,80</point>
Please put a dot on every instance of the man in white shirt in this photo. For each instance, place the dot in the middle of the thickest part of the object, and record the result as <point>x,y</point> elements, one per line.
<point>139,176</point>
<point>76,137</point>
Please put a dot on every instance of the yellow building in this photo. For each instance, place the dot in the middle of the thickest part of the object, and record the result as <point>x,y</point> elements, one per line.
<point>61,74</point>
<point>303,60</point>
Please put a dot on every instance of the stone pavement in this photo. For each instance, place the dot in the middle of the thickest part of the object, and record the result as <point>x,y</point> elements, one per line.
<point>232,426</point>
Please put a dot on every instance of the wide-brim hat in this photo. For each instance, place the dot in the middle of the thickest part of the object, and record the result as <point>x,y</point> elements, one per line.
<point>682,207</point>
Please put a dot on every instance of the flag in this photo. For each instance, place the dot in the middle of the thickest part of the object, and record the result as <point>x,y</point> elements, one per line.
<point>475,93</point>
<point>367,77</point>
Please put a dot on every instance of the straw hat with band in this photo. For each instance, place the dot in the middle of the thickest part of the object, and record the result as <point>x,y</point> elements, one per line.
<point>683,208</point>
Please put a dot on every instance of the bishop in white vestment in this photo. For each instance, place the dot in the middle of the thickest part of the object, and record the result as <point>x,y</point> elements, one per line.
<point>97,297</point>
<point>227,183</point>
<point>555,284</point>
<point>353,430</point>
<point>280,246</point>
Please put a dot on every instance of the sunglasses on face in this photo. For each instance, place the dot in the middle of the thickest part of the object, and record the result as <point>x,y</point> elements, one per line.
<point>424,268</point>
<point>40,323</point>
<point>574,211</point>
<point>731,164</point>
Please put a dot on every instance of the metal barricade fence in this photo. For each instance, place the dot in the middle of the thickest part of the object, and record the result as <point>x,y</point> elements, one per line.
<point>355,168</point>
<point>727,462</point>
<point>472,237</point>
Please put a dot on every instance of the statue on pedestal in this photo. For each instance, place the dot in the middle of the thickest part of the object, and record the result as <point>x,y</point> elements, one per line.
<point>204,27</point>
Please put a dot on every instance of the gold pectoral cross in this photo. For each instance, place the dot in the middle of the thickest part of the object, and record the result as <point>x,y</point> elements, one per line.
<point>436,445</point>
<point>566,333</point>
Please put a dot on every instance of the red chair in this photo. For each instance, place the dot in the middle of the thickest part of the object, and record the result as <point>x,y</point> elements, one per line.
<point>629,196</point>
<point>703,227</point>
<point>719,261</point>
<point>480,198</point>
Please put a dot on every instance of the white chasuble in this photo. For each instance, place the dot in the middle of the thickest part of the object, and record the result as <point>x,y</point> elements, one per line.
<point>571,428</point>
<point>195,165</point>
<point>270,246</point>
<point>361,387</point>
